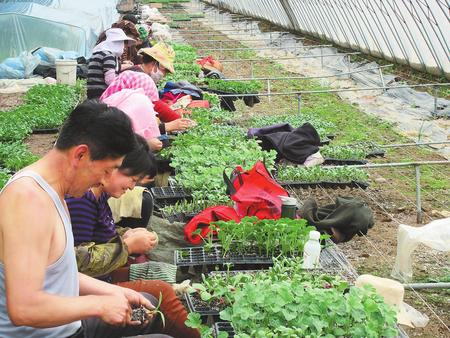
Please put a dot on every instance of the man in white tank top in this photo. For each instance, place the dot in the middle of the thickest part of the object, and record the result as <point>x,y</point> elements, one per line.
<point>41,292</point>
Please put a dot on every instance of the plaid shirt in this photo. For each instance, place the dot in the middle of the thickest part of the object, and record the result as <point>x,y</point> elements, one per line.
<point>132,80</point>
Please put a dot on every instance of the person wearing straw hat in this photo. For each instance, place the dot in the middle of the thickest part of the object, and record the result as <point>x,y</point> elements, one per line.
<point>104,65</point>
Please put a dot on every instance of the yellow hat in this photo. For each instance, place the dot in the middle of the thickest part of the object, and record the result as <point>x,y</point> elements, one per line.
<point>162,53</point>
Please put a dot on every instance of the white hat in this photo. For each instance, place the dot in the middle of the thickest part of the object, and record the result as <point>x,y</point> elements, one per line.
<point>392,293</point>
<point>117,34</point>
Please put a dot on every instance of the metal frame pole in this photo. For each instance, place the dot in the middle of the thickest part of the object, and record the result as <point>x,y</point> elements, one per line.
<point>268,90</point>
<point>299,103</point>
<point>418,195</point>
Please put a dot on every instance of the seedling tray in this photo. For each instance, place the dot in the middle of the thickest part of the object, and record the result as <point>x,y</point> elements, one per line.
<point>223,327</point>
<point>376,153</point>
<point>324,184</point>
<point>227,327</point>
<point>46,131</point>
<point>164,196</point>
<point>170,193</point>
<point>337,161</point>
<point>195,304</point>
<point>182,217</point>
<point>213,259</point>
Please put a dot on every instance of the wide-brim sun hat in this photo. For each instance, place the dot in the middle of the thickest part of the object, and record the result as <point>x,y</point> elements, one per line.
<point>162,53</point>
<point>116,34</point>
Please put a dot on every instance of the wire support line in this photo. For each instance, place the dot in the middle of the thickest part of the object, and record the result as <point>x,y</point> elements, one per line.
<point>321,91</point>
<point>279,78</point>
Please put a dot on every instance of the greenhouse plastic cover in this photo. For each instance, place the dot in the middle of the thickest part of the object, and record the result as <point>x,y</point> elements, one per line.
<point>409,32</point>
<point>64,24</point>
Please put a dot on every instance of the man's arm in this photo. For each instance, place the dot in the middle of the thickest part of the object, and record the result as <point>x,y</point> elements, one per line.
<point>27,233</point>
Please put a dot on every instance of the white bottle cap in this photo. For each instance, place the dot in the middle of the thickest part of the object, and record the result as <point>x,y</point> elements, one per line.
<point>314,235</point>
<point>288,200</point>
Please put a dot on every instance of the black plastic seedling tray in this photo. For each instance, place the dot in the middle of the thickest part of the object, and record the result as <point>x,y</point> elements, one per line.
<point>223,327</point>
<point>337,161</point>
<point>212,259</point>
<point>182,217</point>
<point>45,131</point>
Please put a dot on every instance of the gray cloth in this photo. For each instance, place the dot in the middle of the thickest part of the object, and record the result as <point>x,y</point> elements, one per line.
<point>171,237</point>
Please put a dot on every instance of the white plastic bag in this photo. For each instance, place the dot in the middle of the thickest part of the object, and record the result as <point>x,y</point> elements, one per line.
<point>435,235</point>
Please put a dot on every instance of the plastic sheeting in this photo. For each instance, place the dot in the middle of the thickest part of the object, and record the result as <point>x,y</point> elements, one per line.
<point>409,32</point>
<point>63,24</point>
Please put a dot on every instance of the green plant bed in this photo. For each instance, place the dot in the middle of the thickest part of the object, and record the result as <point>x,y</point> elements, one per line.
<point>201,155</point>
<point>15,156</point>
<point>4,177</point>
<point>288,309</point>
<point>235,87</point>
<point>320,174</point>
<point>284,236</point>
<point>323,127</point>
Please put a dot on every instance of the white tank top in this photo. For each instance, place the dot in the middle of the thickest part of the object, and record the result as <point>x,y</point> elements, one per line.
<point>61,277</point>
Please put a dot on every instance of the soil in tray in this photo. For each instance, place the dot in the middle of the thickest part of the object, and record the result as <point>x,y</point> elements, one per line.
<point>196,304</point>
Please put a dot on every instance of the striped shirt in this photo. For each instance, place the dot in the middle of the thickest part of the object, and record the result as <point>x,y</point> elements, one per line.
<point>92,219</point>
<point>99,63</point>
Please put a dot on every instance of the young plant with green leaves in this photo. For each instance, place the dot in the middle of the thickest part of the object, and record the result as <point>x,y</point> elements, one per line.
<point>280,237</point>
<point>15,156</point>
<point>235,87</point>
<point>319,174</point>
<point>322,126</point>
<point>4,177</point>
<point>289,309</point>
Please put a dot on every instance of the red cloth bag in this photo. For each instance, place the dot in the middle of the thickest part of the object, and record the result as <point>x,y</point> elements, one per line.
<point>203,219</point>
<point>255,192</point>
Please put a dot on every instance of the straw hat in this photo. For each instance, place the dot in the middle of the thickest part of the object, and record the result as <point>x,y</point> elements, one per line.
<point>392,292</point>
<point>162,53</point>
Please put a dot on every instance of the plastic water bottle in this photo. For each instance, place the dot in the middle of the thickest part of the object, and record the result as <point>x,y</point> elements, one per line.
<point>311,251</point>
<point>288,207</point>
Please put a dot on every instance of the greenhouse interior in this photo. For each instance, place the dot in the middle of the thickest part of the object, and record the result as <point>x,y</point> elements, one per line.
<point>225,168</point>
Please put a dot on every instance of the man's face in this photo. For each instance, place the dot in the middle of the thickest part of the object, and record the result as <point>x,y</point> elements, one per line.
<point>93,173</point>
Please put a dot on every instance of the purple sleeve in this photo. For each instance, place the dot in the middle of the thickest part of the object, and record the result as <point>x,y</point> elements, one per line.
<point>83,214</point>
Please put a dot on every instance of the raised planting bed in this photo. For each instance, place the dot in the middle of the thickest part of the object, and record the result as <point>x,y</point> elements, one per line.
<point>323,184</point>
<point>352,152</point>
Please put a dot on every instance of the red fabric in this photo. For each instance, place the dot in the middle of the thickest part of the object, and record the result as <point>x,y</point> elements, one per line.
<point>199,104</point>
<point>171,98</point>
<point>166,114</point>
<point>203,219</point>
<point>208,62</point>
<point>257,193</point>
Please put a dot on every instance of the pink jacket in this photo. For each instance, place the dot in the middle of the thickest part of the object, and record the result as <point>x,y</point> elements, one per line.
<point>139,109</point>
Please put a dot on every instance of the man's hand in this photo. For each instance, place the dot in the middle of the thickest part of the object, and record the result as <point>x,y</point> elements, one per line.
<point>136,299</point>
<point>115,309</point>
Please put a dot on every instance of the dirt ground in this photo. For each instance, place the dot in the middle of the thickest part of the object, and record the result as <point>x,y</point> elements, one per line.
<point>9,101</point>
